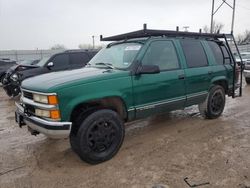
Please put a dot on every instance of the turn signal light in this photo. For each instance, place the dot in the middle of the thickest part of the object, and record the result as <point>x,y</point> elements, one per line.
<point>52,99</point>
<point>55,114</point>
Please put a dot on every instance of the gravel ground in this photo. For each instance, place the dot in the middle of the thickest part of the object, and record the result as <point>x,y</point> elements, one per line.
<point>157,152</point>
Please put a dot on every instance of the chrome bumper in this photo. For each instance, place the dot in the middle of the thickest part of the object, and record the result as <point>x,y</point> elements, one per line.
<point>51,129</point>
<point>247,73</point>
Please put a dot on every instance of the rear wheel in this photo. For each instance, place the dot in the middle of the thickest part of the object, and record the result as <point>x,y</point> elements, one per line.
<point>247,80</point>
<point>99,137</point>
<point>214,104</point>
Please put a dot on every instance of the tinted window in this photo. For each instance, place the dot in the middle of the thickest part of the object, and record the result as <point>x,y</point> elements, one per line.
<point>194,53</point>
<point>163,54</point>
<point>79,58</point>
<point>61,61</point>
<point>226,55</point>
<point>216,52</point>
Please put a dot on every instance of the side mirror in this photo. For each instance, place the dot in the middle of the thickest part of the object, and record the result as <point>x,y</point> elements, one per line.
<point>148,69</point>
<point>50,64</point>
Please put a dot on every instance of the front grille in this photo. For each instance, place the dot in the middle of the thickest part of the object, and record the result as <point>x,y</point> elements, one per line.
<point>28,95</point>
<point>30,109</point>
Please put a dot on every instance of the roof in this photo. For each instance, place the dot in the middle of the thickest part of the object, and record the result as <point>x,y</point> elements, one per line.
<point>80,50</point>
<point>151,32</point>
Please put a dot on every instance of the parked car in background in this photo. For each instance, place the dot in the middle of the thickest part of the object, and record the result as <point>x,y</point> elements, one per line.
<point>246,60</point>
<point>19,65</point>
<point>69,59</point>
<point>130,79</point>
<point>4,65</point>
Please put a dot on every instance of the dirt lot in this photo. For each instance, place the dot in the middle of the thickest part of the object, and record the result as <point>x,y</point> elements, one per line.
<point>162,150</point>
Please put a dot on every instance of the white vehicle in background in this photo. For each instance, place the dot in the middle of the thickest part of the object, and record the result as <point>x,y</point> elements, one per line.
<point>246,60</point>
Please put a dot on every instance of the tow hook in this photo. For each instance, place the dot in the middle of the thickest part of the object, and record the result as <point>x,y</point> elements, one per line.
<point>33,132</point>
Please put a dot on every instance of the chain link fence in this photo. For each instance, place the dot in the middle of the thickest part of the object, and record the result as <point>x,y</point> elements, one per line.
<point>19,55</point>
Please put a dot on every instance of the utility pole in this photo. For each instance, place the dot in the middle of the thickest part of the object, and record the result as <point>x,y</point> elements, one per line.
<point>214,12</point>
<point>232,26</point>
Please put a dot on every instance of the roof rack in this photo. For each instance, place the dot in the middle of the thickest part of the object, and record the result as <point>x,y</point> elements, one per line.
<point>170,33</point>
<point>228,38</point>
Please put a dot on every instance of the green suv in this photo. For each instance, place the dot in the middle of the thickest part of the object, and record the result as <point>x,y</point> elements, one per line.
<point>141,74</point>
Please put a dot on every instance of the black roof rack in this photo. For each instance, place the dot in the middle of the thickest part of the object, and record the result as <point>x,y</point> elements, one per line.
<point>150,32</point>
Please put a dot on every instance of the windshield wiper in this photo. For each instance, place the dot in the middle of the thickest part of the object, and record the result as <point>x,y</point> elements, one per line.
<point>109,65</point>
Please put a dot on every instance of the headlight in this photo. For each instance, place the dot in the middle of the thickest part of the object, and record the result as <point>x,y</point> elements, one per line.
<point>14,77</point>
<point>40,98</point>
<point>53,114</point>
<point>42,113</point>
<point>47,99</point>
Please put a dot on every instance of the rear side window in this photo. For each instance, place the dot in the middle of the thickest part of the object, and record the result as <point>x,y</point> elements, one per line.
<point>162,54</point>
<point>79,58</point>
<point>226,55</point>
<point>194,53</point>
<point>216,52</point>
<point>60,62</point>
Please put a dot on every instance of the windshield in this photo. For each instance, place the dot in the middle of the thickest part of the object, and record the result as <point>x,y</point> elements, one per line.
<point>43,61</point>
<point>28,62</point>
<point>119,56</point>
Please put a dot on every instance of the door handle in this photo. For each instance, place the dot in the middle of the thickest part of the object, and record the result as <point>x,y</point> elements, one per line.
<point>181,77</point>
<point>210,72</point>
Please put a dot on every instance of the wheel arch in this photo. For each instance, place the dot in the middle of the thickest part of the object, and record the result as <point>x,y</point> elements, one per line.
<point>222,82</point>
<point>115,103</point>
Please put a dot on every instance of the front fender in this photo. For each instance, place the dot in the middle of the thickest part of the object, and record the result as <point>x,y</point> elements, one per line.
<point>71,97</point>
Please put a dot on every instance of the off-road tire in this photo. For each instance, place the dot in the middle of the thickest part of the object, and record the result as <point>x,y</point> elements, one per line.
<point>99,137</point>
<point>214,104</point>
<point>247,80</point>
<point>82,115</point>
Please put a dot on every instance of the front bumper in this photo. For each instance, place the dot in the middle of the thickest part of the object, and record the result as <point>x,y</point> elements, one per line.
<point>247,73</point>
<point>51,129</point>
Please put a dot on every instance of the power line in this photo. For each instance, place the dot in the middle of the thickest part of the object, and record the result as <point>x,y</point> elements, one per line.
<point>241,5</point>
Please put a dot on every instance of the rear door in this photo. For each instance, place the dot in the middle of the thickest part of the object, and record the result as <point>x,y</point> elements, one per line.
<point>78,60</point>
<point>160,92</point>
<point>197,72</point>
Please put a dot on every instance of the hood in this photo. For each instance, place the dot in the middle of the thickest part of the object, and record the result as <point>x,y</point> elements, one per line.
<point>20,67</point>
<point>53,81</point>
<point>25,67</point>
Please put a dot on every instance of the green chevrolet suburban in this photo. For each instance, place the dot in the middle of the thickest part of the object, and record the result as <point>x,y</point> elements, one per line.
<point>141,74</point>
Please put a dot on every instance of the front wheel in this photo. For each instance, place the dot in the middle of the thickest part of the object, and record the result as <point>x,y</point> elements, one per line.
<point>99,137</point>
<point>214,104</point>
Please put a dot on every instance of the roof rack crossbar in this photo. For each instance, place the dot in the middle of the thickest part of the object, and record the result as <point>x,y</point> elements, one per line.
<point>150,32</point>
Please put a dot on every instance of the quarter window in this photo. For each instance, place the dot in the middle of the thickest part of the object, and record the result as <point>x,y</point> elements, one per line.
<point>194,53</point>
<point>227,58</point>
<point>216,52</point>
<point>162,54</point>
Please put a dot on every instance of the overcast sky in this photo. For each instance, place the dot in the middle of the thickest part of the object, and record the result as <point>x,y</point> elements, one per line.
<point>32,24</point>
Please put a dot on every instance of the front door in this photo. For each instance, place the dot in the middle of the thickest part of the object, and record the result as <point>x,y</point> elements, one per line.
<point>160,92</point>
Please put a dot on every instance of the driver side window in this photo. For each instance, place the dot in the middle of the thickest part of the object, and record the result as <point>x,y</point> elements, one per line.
<point>162,54</point>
